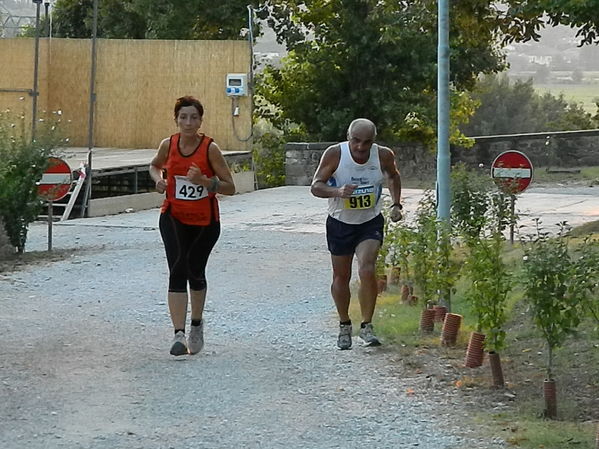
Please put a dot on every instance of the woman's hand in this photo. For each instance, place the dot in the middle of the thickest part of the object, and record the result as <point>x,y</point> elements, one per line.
<point>161,185</point>
<point>195,175</point>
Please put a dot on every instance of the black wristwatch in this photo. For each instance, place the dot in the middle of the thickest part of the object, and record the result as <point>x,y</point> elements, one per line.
<point>396,205</point>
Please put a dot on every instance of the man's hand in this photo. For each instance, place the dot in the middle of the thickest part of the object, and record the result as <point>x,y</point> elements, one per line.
<point>346,190</point>
<point>395,214</point>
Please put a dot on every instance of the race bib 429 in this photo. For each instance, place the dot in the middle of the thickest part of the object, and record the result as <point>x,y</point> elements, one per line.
<point>185,190</point>
<point>361,198</point>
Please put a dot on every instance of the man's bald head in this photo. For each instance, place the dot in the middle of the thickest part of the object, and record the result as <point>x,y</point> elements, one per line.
<point>361,126</point>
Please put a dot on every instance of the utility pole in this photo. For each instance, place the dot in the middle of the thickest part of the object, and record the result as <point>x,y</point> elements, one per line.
<point>443,158</point>
<point>92,105</point>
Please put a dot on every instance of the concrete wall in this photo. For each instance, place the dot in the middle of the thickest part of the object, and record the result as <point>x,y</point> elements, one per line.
<point>137,83</point>
<point>559,149</point>
<point>244,183</point>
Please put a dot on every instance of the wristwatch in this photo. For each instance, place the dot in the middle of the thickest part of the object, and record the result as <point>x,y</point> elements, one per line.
<point>396,205</point>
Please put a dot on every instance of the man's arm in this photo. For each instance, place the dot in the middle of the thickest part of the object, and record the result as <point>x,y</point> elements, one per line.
<point>327,166</point>
<point>391,172</point>
<point>389,168</point>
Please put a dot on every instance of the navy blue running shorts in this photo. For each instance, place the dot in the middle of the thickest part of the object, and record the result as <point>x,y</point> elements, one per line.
<point>342,238</point>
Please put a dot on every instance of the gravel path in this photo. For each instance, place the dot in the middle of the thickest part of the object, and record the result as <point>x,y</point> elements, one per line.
<point>84,345</point>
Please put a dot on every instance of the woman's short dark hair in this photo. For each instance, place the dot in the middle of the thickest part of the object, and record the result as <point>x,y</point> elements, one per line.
<point>188,100</point>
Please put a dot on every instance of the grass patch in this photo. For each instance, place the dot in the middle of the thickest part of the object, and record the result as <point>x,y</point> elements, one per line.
<point>584,94</point>
<point>529,434</point>
<point>586,229</point>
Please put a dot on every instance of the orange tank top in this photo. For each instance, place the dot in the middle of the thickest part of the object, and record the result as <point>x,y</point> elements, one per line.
<point>189,203</point>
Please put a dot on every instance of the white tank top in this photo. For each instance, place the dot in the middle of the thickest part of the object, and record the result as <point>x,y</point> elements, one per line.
<point>365,203</point>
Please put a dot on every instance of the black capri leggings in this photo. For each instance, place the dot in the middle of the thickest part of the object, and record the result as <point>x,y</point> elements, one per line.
<point>187,249</point>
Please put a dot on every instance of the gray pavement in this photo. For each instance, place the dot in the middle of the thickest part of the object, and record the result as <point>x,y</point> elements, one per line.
<point>84,339</point>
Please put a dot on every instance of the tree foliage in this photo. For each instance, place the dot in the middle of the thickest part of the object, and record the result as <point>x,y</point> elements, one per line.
<point>515,107</point>
<point>531,16</point>
<point>352,58</point>
<point>152,19</point>
<point>557,286</point>
<point>366,58</point>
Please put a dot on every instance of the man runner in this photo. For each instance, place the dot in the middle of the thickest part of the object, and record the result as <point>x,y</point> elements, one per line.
<point>351,176</point>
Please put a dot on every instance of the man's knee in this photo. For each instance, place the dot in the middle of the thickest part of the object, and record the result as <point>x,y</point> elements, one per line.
<point>366,271</point>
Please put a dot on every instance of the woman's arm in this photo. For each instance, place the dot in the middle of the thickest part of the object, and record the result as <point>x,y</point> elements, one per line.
<point>157,164</point>
<point>224,183</point>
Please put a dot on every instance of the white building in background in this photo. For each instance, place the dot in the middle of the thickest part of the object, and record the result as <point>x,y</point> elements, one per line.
<point>16,15</point>
<point>540,59</point>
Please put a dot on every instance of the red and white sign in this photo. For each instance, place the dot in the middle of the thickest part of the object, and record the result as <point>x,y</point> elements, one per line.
<point>512,171</point>
<point>56,180</point>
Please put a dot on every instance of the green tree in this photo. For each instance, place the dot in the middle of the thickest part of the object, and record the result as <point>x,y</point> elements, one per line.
<point>351,58</point>
<point>508,108</point>
<point>372,58</point>
<point>552,288</point>
<point>579,14</point>
<point>22,163</point>
<point>153,19</point>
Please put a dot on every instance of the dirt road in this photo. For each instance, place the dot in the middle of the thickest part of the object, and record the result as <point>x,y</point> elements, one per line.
<point>84,345</point>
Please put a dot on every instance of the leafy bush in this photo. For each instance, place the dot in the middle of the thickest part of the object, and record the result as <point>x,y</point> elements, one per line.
<point>558,284</point>
<point>481,214</point>
<point>268,154</point>
<point>271,132</point>
<point>22,163</point>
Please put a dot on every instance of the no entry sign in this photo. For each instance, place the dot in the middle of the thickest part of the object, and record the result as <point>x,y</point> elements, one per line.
<point>512,171</point>
<point>56,180</point>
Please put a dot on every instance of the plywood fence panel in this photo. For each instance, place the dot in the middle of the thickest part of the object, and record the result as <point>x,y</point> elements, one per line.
<point>68,86</point>
<point>17,67</point>
<point>137,83</point>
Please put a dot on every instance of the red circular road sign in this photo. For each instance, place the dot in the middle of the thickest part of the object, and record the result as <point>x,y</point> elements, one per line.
<point>56,180</point>
<point>512,171</point>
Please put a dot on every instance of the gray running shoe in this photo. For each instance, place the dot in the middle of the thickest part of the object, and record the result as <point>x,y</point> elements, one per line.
<point>179,346</point>
<point>344,340</point>
<point>195,341</point>
<point>368,337</point>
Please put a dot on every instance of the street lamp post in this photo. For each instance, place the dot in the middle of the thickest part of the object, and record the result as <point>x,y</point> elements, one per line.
<point>35,93</point>
<point>92,105</point>
<point>47,17</point>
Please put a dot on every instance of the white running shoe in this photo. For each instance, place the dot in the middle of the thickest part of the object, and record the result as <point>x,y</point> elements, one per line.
<point>179,346</point>
<point>195,341</point>
<point>368,337</point>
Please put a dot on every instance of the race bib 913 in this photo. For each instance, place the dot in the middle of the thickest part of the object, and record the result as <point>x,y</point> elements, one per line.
<point>186,190</point>
<point>362,198</point>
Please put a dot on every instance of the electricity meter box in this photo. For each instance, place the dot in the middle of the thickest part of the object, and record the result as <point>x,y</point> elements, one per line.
<point>236,84</point>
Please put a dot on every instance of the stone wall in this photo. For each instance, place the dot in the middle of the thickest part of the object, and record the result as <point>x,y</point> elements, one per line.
<point>301,160</point>
<point>559,149</point>
<point>555,149</point>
